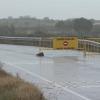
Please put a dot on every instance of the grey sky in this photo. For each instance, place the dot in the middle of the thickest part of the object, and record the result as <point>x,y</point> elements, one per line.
<point>60,9</point>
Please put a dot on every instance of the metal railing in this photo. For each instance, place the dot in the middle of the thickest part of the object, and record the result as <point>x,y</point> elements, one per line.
<point>32,41</point>
<point>85,45</point>
<point>88,45</point>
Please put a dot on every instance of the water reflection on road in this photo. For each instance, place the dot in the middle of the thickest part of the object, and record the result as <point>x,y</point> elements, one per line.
<point>65,67</point>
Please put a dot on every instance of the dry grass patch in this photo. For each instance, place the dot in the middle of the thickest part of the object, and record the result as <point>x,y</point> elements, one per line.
<point>3,73</point>
<point>12,88</point>
<point>28,92</point>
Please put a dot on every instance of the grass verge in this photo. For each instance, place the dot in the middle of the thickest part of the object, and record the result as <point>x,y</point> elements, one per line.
<point>12,88</point>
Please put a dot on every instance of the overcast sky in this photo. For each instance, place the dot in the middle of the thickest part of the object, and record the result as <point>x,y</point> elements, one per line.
<point>56,9</point>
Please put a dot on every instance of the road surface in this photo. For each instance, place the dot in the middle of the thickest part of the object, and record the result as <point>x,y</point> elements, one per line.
<point>69,70</point>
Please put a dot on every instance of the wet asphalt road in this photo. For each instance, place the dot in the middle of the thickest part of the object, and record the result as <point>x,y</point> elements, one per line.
<point>69,69</point>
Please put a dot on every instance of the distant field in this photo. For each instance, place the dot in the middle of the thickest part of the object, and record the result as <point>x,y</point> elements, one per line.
<point>12,88</point>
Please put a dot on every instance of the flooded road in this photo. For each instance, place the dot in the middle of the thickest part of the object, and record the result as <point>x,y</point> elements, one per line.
<point>70,69</point>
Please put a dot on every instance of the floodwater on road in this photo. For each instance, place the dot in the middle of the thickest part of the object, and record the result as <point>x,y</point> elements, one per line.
<point>68,68</point>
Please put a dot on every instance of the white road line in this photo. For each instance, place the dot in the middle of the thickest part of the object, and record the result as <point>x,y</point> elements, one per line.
<point>44,79</point>
<point>39,62</point>
<point>91,86</point>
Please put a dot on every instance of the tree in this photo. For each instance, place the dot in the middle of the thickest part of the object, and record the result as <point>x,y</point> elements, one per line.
<point>46,18</point>
<point>4,30</point>
<point>12,29</point>
<point>82,25</point>
<point>96,30</point>
<point>64,25</point>
<point>60,25</point>
<point>69,24</point>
